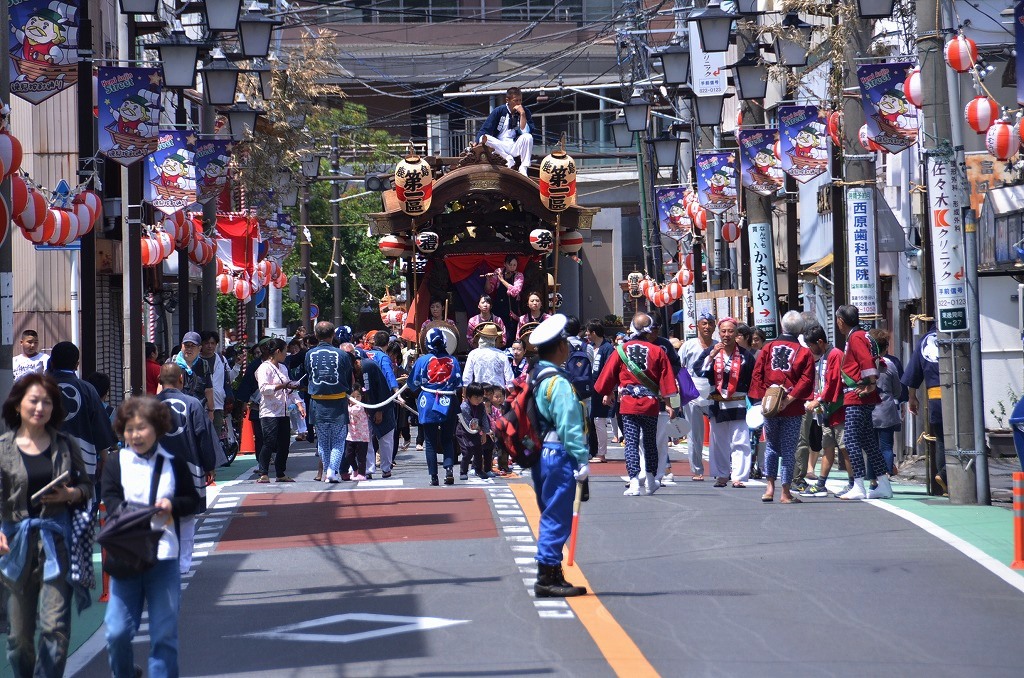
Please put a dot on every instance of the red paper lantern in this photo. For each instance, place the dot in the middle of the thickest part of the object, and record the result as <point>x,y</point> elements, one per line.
<point>684,277</point>
<point>665,297</point>
<point>394,246</point>
<point>65,226</point>
<point>961,53</point>
<point>700,219</point>
<point>835,127</point>
<point>777,150</point>
<point>10,153</point>
<point>19,195</point>
<point>34,213</point>
<point>281,281</point>
<point>91,200</point>
<point>688,261</point>
<point>730,231</point>
<point>867,143</point>
<point>675,290</point>
<point>225,283</point>
<point>166,244</point>
<point>912,87</point>
<point>5,220</point>
<point>981,112</point>
<point>1001,140</point>
<point>150,252</point>
<point>242,290</point>
<point>644,287</point>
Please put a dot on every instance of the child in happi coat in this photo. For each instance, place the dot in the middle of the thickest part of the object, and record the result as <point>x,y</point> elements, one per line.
<point>473,432</point>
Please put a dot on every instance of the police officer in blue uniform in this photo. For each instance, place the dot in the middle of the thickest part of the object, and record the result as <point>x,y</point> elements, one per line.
<point>563,459</point>
<point>436,378</point>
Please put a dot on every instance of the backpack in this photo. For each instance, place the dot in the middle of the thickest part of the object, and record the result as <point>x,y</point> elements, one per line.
<point>520,427</point>
<point>580,372</point>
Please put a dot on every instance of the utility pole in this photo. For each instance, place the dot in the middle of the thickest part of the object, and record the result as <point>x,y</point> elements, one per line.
<point>939,127</point>
<point>208,296</point>
<point>6,248</point>
<point>86,163</point>
<point>336,229</point>
<point>304,251</point>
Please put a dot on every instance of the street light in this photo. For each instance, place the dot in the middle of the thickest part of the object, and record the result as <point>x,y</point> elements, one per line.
<point>675,64</point>
<point>139,6</point>
<point>751,74</point>
<point>220,80</point>
<point>748,7</point>
<point>666,150</point>
<point>254,30</point>
<point>311,165</point>
<point>241,116</point>
<point>875,9</point>
<point>789,52</point>
<point>708,109</point>
<point>222,15</point>
<point>637,111</point>
<point>714,25</point>
<point>620,133</point>
<point>179,55</point>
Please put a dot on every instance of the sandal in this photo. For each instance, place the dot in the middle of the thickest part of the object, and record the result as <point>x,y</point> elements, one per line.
<point>791,500</point>
<point>767,498</point>
<point>721,482</point>
<point>318,477</point>
<point>263,480</point>
<point>738,485</point>
<point>697,478</point>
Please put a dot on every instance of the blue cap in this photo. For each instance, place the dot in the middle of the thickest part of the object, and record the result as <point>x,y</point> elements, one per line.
<point>343,334</point>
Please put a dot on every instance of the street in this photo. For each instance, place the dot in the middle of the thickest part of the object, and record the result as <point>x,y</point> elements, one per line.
<point>397,579</point>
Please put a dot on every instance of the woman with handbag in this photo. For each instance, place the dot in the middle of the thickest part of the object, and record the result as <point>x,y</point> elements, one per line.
<point>784,375</point>
<point>36,540</point>
<point>144,473</point>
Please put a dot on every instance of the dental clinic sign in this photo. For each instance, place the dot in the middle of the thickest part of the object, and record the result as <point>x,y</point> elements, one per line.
<point>944,218</point>
<point>862,263</point>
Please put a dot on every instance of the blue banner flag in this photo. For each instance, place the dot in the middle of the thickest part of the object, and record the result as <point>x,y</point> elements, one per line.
<point>128,107</point>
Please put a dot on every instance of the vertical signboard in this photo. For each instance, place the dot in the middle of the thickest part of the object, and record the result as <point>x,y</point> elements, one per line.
<point>862,260</point>
<point>762,279</point>
<point>944,219</point>
<point>690,306</point>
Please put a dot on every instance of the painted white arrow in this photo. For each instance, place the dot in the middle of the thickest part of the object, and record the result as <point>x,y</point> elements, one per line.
<point>402,625</point>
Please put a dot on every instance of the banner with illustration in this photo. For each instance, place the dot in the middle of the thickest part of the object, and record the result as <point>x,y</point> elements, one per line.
<point>213,157</point>
<point>716,181</point>
<point>760,169</point>
<point>672,210</point>
<point>278,234</point>
<point>128,107</point>
<point>803,142</point>
<point>892,120</point>
<point>43,39</point>
<point>170,173</point>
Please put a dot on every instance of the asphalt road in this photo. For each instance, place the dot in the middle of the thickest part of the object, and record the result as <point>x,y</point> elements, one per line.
<point>397,579</point>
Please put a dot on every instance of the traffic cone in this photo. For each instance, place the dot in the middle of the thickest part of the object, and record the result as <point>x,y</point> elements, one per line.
<point>248,444</point>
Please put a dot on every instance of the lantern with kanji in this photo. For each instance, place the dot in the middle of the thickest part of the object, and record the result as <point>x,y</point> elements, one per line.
<point>570,242</point>
<point>730,231</point>
<point>835,127</point>
<point>394,246</point>
<point>1001,140</point>
<point>427,241</point>
<point>961,53</point>
<point>633,283</point>
<point>542,240</point>
<point>558,181</point>
<point>981,112</point>
<point>413,184</point>
<point>912,87</point>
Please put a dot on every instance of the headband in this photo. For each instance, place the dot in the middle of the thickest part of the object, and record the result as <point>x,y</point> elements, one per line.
<point>728,320</point>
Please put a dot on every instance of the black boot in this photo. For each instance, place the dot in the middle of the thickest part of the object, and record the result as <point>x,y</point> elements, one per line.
<point>433,480</point>
<point>449,477</point>
<point>551,583</point>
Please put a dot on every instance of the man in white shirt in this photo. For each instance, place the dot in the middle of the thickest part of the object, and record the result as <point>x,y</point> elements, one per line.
<point>487,364</point>
<point>697,409</point>
<point>509,130</point>
<point>30,360</point>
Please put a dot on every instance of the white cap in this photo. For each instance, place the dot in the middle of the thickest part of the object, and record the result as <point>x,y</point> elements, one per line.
<point>550,329</point>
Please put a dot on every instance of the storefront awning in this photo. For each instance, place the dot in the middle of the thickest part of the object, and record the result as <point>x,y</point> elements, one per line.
<point>1004,201</point>
<point>815,269</point>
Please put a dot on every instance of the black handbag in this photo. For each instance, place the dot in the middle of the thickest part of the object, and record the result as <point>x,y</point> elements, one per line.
<point>127,537</point>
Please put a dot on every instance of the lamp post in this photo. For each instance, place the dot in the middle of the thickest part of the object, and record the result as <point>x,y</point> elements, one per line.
<point>714,25</point>
<point>708,109</point>
<point>675,64</point>
<point>875,9</point>
<point>621,135</point>
<point>220,80</point>
<point>139,6</point>
<point>751,74</point>
<point>792,52</point>
<point>241,117</point>
<point>179,56</point>
<point>222,15</point>
<point>336,228</point>
<point>254,32</point>
<point>637,112</point>
<point>666,150</point>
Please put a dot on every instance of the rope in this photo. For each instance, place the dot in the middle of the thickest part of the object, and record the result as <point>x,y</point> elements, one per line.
<point>385,402</point>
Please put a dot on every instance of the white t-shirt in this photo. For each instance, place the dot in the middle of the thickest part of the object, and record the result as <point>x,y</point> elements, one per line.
<point>24,365</point>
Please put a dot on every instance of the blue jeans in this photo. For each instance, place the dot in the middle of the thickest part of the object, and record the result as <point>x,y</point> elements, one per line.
<point>330,444</point>
<point>886,439</point>
<point>43,606</point>
<point>442,434</point>
<point>555,487</point>
<point>160,587</point>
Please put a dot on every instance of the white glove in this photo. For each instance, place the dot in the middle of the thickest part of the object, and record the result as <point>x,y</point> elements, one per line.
<point>582,473</point>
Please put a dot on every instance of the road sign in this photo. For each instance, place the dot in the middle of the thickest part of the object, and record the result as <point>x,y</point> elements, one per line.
<point>261,313</point>
<point>314,311</point>
<point>398,624</point>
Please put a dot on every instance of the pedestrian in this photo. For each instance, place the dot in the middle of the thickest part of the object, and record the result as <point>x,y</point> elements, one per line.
<point>192,439</point>
<point>437,314</point>
<point>473,431</point>
<point>145,473</point>
<point>534,313</point>
<point>698,408</point>
<point>563,459</point>
<point>783,362</point>
<point>436,378</point>
<point>276,391</point>
<point>826,405</point>
<point>517,359</point>
<point>495,402</point>
<point>728,367</point>
<point>487,364</point>
<point>642,375</point>
<point>887,417</point>
<point>395,351</point>
<point>377,392</point>
<point>508,130</point>
<point>329,383</point>
<point>101,382</point>
<point>484,316</point>
<point>249,393</point>
<point>31,358</point>
<point>198,378</point>
<point>505,285</point>
<point>36,539</point>
<point>923,368</point>
<point>599,411</point>
<point>85,419</point>
<point>152,368</point>
<point>665,414</point>
<point>221,376</point>
<point>357,443</point>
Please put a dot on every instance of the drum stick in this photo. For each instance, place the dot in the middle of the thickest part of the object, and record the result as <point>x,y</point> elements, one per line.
<point>575,524</point>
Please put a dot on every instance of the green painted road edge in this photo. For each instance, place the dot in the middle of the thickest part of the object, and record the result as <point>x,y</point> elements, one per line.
<point>987,528</point>
<point>84,625</point>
